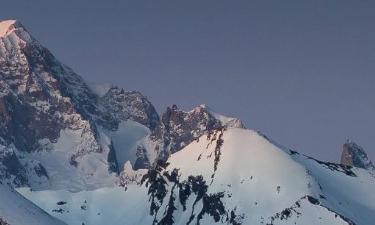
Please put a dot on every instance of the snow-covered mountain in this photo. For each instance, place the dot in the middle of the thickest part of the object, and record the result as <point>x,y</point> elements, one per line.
<point>90,155</point>
<point>59,133</point>
<point>228,176</point>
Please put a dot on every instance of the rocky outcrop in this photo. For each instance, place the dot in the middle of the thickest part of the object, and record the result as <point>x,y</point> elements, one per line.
<point>184,127</point>
<point>355,155</point>
<point>124,105</point>
<point>11,169</point>
<point>3,222</point>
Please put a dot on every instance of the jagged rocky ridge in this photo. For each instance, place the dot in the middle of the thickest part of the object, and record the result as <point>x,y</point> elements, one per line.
<point>44,105</point>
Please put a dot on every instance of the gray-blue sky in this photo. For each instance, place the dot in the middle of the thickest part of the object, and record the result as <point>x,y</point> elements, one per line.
<point>300,71</point>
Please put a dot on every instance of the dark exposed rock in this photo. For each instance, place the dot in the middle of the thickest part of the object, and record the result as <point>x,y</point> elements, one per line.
<point>355,155</point>
<point>10,167</point>
<point>142,159</point>
<point>129,105</point>
<point>158,181</point>
<point>219,143</point>
<point>58,210</point>
<point>213,206</point>
<point>40,170</point>
<point>3,222</point>
<point>184,127</point>
<point>61,203</point>
<point>39,97</point>
<point>157,189</point>
<point>168,217</point>
<point>38,83</point>
<point>112,160</point>
<point>294,211</point>
<point>313,200</point>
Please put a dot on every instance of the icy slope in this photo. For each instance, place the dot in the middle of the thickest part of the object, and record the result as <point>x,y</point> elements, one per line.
<point>233,176</point>
<point>16,210</point>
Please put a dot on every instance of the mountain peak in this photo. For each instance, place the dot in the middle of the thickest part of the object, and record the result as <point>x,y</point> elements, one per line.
<point>14,34</point>
<point>7,26</point>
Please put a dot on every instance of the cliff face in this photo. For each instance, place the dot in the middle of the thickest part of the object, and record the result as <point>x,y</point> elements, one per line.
<point>40,98</point>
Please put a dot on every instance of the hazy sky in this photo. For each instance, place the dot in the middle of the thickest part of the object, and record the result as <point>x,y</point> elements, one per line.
<point>300,71</point>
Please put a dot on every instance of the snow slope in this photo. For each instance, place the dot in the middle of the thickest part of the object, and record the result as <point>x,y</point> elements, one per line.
<point>17,210</point>
<point>90,172</point>
<point>348,192</point>
<point>113,206</point>
<point>232,176</point>
<point>127,138</point>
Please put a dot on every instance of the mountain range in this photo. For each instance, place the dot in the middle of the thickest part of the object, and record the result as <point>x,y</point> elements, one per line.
<point>74,153</point>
